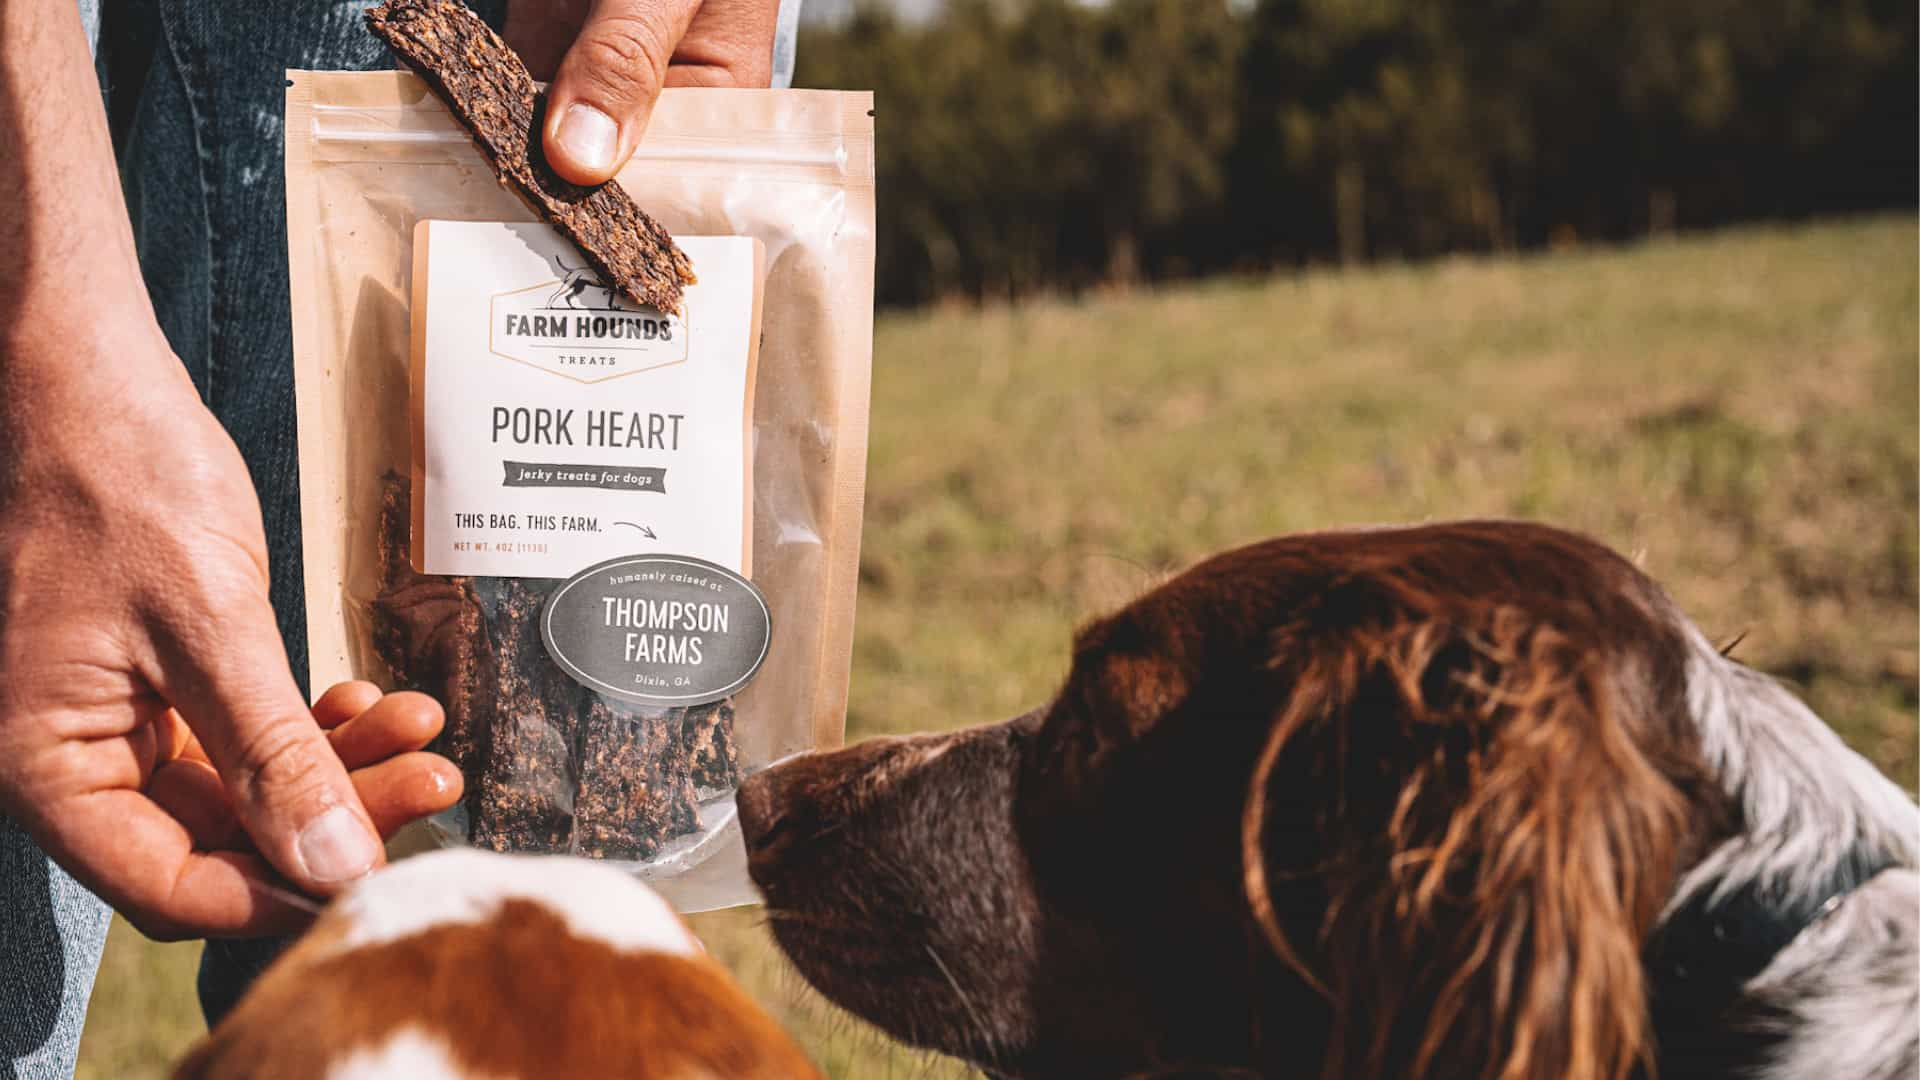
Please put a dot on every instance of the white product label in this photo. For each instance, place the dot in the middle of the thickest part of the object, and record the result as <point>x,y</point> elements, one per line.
<point>558,425</point>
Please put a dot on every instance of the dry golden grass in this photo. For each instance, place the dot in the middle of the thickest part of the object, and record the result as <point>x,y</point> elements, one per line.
<point>1738,411</point>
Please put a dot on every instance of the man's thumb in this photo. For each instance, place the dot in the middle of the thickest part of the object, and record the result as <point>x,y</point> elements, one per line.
<point>288,787</point>
<point>605,87</point>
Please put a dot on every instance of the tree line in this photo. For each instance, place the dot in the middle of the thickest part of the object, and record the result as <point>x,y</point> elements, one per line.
<point>1049,144</point>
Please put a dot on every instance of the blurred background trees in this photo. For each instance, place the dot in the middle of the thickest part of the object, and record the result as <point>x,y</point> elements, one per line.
<point>1056,144</point>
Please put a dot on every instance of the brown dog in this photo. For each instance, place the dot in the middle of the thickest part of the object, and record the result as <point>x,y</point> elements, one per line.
<point>1468,800</point>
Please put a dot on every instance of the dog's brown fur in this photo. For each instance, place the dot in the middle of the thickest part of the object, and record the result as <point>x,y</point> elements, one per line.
<point>1372,804</point>
<point>518,994</point>
<point>1501,882</point>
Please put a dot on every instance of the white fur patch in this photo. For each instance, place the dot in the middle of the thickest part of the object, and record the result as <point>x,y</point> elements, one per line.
<point>1807,799</point>
<point>466,886</point>
<point>410,1054</point>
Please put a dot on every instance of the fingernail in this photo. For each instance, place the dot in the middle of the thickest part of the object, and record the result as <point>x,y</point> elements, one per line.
<point>589,137</point>
<point>337,846</point>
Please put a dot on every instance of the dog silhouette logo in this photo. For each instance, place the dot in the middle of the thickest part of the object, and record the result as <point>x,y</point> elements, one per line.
<point>577,326</point>
<point>575,283</point>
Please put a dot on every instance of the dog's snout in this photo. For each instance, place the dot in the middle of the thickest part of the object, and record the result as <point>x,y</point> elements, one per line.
<point>784,810</point>
<point>787,807</point>
<point>898,853</point>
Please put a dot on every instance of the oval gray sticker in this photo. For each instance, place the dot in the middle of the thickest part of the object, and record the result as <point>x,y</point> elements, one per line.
<point>667,630</point>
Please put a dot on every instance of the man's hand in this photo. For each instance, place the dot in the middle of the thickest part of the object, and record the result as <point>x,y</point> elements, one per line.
<point>608,60</point>
<point>135,629</point>
<point>134,626</point>
<point>377,737</point>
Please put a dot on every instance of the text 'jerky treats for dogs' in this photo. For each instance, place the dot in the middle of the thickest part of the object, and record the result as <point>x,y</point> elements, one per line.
<point>490,91</point>
<point>615,536</point>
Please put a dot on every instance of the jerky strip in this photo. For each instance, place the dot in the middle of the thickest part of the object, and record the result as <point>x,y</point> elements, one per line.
<point>713,760</point>
<point>634,790</point>
<point>488,89</point>
<point>523,798</point>
<point>432,634</point>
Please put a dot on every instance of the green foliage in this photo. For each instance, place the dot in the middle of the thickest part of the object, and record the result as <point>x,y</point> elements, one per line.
<point>1043,147</point>
<point>1053,144</point>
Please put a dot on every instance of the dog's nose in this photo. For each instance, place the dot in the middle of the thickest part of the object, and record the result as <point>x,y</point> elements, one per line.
<point>757,800</point>
<point>766,809</point>
<point>787,806</point>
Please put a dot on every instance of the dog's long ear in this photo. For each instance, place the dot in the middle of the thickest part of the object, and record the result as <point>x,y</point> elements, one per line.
<point>1456,833</point>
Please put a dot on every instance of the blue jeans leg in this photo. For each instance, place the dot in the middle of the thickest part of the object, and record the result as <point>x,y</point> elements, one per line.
<point>51,933</point>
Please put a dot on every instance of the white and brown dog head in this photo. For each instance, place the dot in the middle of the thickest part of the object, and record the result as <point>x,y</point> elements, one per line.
<point>463,965</point>
<point>1469,800</point>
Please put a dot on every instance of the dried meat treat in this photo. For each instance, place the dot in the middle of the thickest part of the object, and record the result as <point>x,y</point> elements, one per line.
<point>523,797</point>
<point>634,789</point>
<point>432,633</point>
<point>489,90</point>
<point>713,761</point>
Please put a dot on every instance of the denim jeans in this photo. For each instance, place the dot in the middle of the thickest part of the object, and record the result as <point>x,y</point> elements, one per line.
<point>195,92</point>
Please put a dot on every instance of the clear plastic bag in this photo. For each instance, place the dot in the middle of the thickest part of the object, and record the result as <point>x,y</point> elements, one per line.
<point>371,154</point>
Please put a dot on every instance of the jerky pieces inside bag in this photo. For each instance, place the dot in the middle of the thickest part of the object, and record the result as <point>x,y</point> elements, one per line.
<point>618,542</point>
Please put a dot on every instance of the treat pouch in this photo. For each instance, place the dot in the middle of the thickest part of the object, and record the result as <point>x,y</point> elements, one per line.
<point>620,545</point>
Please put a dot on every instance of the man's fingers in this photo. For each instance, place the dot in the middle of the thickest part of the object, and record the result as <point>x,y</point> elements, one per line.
<point>605,87</point>
<point>233,686</point>
<point>729,43</point>
<point>396,790</point>
<point>133,855</point>
<point>173,739</point>
<point>407,788</point>
<point>396,724</point>
<point>344,701</point>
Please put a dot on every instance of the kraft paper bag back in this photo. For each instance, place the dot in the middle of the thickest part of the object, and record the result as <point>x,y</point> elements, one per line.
<point>556,759</point>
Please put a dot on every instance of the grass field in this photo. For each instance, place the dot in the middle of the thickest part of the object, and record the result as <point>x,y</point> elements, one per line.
<point>1739,412</point>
